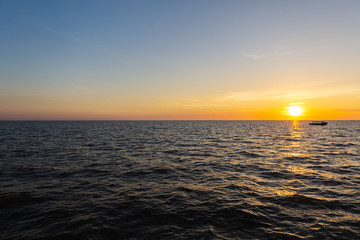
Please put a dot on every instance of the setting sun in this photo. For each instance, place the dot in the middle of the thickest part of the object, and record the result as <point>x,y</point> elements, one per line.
<point>294,111</point>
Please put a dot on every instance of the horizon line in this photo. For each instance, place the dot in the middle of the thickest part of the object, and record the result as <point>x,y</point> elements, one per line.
<point>57,120</point>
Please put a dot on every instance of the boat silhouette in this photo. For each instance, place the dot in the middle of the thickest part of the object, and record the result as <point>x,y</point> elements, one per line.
<point>318,123</point>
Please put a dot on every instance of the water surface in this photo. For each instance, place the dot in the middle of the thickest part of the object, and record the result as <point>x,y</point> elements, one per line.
<point>179,180</point>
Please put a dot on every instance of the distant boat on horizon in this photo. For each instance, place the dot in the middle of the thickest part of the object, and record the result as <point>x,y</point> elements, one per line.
<point>322,123</point>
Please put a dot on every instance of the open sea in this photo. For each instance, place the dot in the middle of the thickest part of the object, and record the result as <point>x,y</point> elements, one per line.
<point>179,180</point>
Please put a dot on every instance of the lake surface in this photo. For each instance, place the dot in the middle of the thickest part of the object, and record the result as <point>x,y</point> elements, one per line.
<point>179,180</point>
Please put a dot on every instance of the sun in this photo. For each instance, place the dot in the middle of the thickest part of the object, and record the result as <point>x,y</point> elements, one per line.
<point>294,111</point>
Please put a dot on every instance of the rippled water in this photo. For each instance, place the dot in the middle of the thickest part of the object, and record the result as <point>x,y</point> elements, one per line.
<point>179,180</point>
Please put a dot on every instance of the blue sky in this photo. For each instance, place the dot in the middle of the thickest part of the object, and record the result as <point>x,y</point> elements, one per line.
<point>127,57</point>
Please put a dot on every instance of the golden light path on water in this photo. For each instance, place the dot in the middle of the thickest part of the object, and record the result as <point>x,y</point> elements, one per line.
<point>298,149</point>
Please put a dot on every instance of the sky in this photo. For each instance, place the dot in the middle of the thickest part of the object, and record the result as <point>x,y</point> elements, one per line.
<point>179,60</point>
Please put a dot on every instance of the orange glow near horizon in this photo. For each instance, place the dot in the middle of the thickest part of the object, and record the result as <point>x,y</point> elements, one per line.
<point>188,113</point>
<point>207,108</point>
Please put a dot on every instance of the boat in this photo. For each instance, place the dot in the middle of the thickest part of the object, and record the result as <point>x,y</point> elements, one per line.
<point>318,123</point>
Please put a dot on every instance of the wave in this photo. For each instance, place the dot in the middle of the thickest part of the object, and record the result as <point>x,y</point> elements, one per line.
<point>179,180</point>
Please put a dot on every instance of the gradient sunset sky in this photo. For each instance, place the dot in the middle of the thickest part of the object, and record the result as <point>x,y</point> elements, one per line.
<point>186,59</point>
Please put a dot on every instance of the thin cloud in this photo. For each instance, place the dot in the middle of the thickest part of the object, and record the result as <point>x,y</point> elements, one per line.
<point>61,34</point>
<point>262,56</point>
<point>84,90</point>
<point>349,110</point>
<point>77,40</point>
<point>298,95</point>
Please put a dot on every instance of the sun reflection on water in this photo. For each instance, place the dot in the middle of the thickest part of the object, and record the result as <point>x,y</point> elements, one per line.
<point>299,170</point>
<point>296,147</point>
<point>282,192</point>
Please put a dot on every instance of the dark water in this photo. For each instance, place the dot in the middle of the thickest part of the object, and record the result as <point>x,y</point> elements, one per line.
<point>179,180</point>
